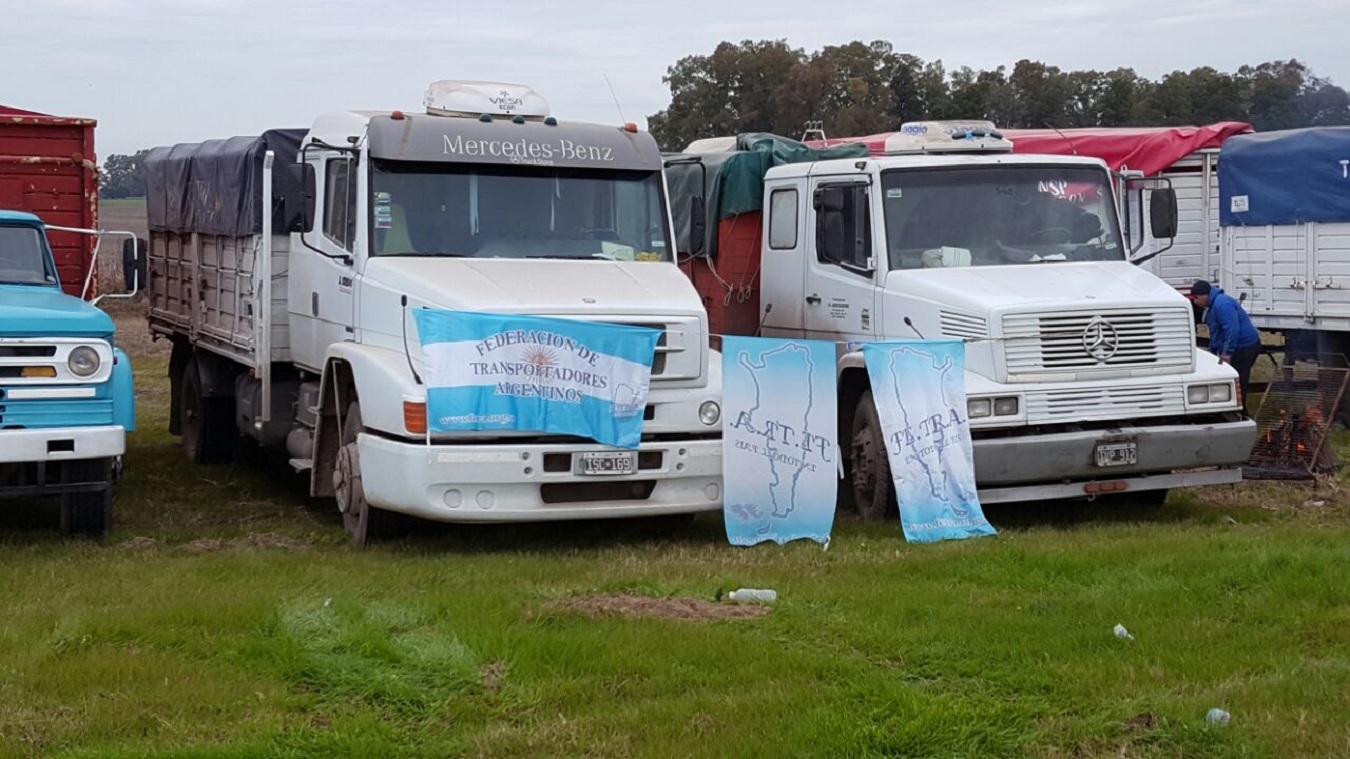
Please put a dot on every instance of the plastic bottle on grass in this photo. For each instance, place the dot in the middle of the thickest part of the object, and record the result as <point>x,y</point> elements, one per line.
<point>1218,716</point>
<point>753,596</point>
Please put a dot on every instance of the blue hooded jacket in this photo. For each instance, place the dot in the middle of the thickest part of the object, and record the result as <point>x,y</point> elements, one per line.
<point>1229,326</point>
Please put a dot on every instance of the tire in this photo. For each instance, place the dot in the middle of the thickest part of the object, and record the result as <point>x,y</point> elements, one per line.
<point>89,514</point>
<point>365,524</point>
<point>873,490</point>
<point>207,424</point>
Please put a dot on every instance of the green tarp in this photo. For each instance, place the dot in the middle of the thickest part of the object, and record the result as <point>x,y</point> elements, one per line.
<point>733,182</point>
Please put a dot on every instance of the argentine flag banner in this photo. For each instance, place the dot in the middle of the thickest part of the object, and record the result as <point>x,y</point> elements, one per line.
<point>779,423</point>
<point>531,373</point>
<point>920,391</point>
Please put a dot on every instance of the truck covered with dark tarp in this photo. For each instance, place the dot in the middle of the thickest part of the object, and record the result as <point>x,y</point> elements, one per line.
<point>215,187</point>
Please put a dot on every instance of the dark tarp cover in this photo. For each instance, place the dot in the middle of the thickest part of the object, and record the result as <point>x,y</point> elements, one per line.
<point>1287,177</point>
<point>215,187</point>
<point>735,179</point>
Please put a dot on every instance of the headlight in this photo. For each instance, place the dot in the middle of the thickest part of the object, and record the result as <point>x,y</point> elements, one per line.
<point>709,413</point>
<point>1220,393</point>
<point>978,407</point>
<point>83,361</point>
<point>1005,406</point>
<point>1201,394</point>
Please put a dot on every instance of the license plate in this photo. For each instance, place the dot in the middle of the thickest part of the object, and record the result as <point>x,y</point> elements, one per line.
<point>1117,454</point>
<point>605,462</point>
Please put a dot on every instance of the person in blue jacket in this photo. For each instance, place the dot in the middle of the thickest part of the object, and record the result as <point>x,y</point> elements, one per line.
<point>1231,335</point>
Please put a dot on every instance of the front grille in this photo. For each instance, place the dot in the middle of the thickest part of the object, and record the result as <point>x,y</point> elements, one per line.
<point>1098,340</point>
<point>1105,403</point>
<point>964,326</point>
<point>37,414</point>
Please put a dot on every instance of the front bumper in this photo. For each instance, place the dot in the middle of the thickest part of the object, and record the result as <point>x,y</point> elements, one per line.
<point>509,482</point>
<point>1062,459</point>
<point>61,444</point>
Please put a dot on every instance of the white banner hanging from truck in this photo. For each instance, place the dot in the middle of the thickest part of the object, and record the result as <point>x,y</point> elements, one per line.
<point>780,462</point>
<point>919,389</point>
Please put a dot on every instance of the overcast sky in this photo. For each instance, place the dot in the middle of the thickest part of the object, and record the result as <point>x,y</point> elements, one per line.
<point>156,72</point>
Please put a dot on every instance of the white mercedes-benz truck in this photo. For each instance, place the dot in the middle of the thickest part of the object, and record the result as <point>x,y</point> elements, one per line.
<point>1082,371</point>
<point>284,268</point>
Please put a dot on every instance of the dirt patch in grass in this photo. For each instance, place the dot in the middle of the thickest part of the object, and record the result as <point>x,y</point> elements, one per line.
<point>1142,722</point>
<point>138,543</point>
<point>685,609</point>
<point>264,540</point>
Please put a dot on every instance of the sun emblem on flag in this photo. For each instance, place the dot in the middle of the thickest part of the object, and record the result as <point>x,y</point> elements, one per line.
<point>540,357</point>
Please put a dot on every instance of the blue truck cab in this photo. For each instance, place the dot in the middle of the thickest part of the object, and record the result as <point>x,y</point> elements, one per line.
<point>66,399</point>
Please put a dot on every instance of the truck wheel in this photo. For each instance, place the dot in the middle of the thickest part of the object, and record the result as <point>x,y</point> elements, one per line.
<point>206,423</point>
<point>873,490</point>
<point>87,514</point>
<point>364,523</point>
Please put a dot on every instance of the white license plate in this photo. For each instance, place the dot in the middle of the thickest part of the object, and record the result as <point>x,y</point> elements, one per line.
<point>1117,454</point>
<point>605,462</point>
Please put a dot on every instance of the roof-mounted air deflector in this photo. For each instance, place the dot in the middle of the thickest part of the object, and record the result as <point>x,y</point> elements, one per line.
<point>472,99</point>
<point>947,137</point>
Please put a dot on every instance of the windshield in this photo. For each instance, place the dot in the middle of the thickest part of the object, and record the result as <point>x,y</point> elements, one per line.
<point>23,257</point>
<point>517,212</point>
<point>998,215</point>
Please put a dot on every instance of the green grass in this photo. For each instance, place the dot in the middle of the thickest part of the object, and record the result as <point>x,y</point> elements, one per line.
<point>226,617</point>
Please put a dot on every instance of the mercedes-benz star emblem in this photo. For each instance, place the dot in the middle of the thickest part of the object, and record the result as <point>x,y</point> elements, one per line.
<point>1100,340</point>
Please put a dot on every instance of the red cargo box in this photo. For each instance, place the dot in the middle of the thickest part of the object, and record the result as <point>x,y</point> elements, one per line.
<point>48,167</point>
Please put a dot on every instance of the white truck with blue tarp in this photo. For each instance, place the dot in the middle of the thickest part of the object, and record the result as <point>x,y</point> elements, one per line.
<point>66,399</point>
<point>285,267</point>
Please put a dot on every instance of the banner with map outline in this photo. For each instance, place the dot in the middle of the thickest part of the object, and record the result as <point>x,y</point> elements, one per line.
<point>779,424</point>
<point>920,392</point>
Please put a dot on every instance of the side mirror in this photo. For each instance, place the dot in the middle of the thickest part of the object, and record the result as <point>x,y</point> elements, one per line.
<point>829,199</point>
<point>698,226</point>
<point>134,264</point>
<point>300,205</point>
<point>1162,213</point>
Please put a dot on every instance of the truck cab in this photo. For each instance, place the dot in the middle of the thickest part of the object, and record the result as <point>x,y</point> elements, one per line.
<point>66,400</point>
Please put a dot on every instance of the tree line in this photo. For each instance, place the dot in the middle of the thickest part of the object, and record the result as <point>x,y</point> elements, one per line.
<point>864,88</point>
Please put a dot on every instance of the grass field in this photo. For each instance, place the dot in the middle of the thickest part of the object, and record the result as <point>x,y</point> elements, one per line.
<point>227,617</point>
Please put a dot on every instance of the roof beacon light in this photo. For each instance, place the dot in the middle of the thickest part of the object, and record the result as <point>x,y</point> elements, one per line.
<point>947,137</point>
<point>471,99</point>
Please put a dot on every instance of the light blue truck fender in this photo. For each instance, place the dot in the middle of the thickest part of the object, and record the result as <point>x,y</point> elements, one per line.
<point>123,392</point>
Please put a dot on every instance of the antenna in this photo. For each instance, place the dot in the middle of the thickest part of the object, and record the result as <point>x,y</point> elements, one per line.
<point>407,353</point>
<point>910,324</point>
<point>1064,137</point>
<point>617,107</point>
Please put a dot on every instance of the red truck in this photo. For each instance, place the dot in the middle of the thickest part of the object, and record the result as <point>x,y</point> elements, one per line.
<point>48,168</point>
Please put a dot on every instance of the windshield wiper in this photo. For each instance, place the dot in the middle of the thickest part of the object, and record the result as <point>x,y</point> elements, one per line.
<point>420,254</point>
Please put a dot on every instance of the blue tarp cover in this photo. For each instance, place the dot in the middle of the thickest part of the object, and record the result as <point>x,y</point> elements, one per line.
<point>1287,177</point>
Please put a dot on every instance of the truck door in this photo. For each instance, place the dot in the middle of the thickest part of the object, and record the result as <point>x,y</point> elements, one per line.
<point>841,273</point>
<point>783,257</point>
<point>321,281</point>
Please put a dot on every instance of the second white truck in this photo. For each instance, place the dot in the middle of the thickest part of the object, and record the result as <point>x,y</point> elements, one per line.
<point>1082,372</point>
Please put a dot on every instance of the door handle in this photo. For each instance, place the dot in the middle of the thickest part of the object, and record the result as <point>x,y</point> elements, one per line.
<point>812,299</point>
